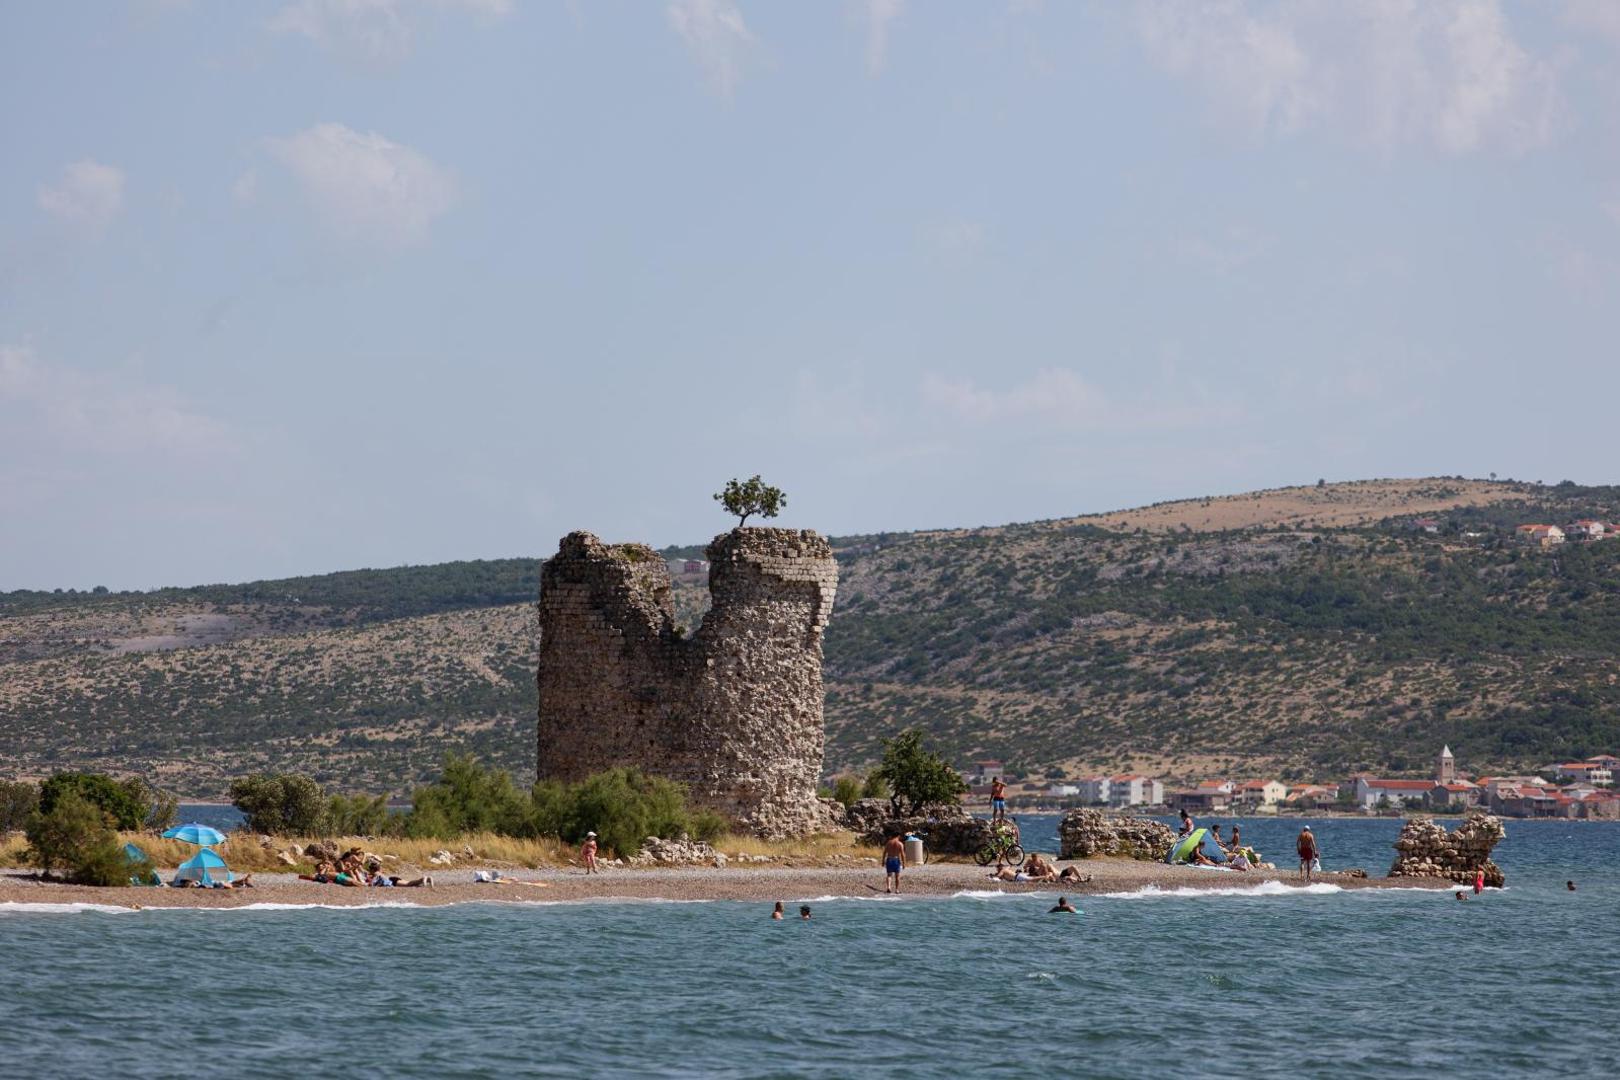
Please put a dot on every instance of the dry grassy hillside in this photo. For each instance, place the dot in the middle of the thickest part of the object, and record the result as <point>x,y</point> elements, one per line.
<point>1303,631</point>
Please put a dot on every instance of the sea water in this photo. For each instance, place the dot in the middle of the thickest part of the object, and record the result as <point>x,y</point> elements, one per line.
<point>1264,981</point>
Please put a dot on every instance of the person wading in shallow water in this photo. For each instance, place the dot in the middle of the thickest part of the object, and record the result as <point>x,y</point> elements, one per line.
<point>587,853</point>
<point>1306,845</point>
<point>894,858</point>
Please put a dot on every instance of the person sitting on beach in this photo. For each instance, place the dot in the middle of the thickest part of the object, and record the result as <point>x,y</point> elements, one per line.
<point>1072,876</point>
<point>1197,857</point>
<point>1237,860</point>
<point>1186,824</point>
<point>1215,834</point>
<point>776,912</point>
<point>587,853</point>
<point>1039,869</point>
<point>1063,905</point>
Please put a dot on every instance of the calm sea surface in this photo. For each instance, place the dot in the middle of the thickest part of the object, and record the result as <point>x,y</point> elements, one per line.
<point>1369,983</point>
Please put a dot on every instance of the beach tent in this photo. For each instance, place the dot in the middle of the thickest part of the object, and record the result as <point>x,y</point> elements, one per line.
<point>205,867</point>
<point>140,867</point>
<point>1181,851</point>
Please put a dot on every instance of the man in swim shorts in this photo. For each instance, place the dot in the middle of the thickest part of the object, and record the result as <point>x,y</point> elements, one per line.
<point>894,858</point>
<point>998,799</point>
<point>1306,845</point>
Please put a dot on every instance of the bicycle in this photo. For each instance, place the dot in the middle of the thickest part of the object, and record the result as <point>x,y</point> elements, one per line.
<point>1002,845</point>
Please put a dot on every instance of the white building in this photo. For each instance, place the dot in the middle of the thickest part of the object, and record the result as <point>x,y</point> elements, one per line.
<point>1062,791</point>
<point>1094,789</point>
<point>1368,792</point>
<point>1130,790</point>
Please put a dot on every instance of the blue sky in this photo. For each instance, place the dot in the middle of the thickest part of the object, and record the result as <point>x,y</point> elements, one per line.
<point>303,286</point>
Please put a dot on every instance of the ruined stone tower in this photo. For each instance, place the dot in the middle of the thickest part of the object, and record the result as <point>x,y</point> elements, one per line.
<point>734,711</point>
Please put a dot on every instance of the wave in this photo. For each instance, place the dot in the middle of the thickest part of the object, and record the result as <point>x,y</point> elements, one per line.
<point>19,907</point>
<point>1264,888</point>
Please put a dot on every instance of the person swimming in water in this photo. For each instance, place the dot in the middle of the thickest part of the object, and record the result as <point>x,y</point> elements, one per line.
<point>1462,895</point>
<point>1063,905</point>
<point>804,911</point>
<point>776,912</point>
<point>1570,885</point>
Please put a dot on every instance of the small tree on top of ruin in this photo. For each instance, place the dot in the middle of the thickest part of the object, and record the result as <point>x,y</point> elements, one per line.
<point>749,497</point>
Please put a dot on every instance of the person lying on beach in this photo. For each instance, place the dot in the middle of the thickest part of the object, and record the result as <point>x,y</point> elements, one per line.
<point>243,882</point>
<point>1008,873</point>
<point>1063,905</point>
<point>1072,876</point>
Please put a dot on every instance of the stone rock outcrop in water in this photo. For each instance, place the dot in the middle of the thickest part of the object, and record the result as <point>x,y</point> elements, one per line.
<point>1425,849</point>
<point>734,711</point>
<point>1084,833</point>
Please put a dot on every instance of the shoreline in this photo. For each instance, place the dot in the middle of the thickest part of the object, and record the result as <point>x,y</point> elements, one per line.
<point>753,884</point>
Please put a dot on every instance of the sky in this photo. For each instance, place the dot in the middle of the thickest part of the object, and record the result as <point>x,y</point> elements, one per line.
<point>293,287</point>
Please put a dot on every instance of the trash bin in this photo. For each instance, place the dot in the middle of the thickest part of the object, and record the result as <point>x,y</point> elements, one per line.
<point>914,851</point>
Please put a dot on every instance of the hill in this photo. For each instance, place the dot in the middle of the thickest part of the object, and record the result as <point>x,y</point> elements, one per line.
<point>1303,631</point>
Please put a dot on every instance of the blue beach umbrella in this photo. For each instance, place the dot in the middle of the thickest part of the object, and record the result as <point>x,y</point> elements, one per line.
<point>201,835</point>
<point>205,867</point>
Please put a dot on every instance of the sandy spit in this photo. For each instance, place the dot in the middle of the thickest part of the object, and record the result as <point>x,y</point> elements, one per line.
<point>752,883</point>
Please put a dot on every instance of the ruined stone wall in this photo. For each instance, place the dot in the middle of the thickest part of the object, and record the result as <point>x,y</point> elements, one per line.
<point>734,712</point>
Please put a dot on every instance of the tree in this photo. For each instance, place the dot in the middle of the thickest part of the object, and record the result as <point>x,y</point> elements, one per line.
<point>750,497</point>
<point>127,802</point>
<point>75,836</point>
<point>916,776</point>
<point>18,799</point>
<point>281,804</point>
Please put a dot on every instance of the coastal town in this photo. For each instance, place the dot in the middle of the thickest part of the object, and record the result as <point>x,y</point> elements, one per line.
<point>1579,790</point>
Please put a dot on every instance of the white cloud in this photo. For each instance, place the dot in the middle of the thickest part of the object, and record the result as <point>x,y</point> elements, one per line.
<point>89,194</point>
<point>1446,73</point>
<point>1060,398</point>
<point>878,14</point>
<point>376,31</point>
<point>98,412</point>
<point>368,188</point>
<point>715,33</point>
<point>245,190</point>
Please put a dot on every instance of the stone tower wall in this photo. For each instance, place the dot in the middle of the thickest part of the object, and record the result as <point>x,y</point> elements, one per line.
<point>734,712</point>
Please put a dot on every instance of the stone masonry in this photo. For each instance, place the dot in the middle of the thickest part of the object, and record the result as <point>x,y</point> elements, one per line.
<point>734,711</point>
<point>1425,849</point>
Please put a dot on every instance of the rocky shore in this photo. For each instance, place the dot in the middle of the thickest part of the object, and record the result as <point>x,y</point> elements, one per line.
<point>855,878</point>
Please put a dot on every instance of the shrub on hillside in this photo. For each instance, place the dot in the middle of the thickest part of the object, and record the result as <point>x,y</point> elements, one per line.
<point>18,799</point>
<point>75,838</point>
<point>131,804</point>
<point>281,804</point>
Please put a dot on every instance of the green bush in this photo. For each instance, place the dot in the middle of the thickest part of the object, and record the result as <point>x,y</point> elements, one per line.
<point>18,799</point>
<point>357,815</point>
<point>131,804</point>
<point>469,798</point>
<point>846,789</point>
<point>281,804</point>
<point>623,807</point>
<point>75,837</point>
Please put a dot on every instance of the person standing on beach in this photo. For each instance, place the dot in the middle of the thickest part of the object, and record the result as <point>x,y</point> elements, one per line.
<point>998,799</point>
<point>894,858</point>
<point>587,853</point>
<point>1306,844</point>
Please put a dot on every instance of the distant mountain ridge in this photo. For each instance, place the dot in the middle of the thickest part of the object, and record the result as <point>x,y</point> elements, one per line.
<point>1301,631</point>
